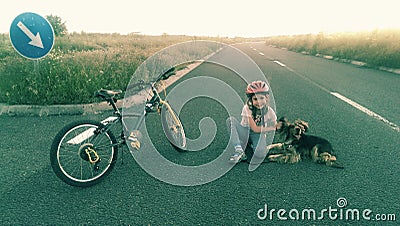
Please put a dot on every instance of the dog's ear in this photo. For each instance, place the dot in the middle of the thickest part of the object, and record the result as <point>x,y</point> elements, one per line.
<point>305,124</point>
<point>302,124</point>
<point>283,120</point>
<point>282,123</point>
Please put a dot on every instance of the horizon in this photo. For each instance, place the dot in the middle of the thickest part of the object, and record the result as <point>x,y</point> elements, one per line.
<point>245,19</point>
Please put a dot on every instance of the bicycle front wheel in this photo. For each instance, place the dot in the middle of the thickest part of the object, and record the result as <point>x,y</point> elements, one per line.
<point>83,153</point>
<point>173,128</point>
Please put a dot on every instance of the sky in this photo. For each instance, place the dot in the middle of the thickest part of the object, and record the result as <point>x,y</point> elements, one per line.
<point>224,18</point>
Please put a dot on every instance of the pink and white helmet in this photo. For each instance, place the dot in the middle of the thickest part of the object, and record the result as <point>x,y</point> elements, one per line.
<point>257,87</point>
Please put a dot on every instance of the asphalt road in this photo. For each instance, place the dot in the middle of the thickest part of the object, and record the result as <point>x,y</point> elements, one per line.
<point>302,86</point>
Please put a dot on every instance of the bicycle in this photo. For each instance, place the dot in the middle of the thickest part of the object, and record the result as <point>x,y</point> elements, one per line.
<point>85,152</point>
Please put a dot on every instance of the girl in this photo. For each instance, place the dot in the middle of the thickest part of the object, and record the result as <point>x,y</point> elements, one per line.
<point>258,118</point>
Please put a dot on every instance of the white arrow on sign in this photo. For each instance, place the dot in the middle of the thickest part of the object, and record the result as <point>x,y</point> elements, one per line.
<point>35,40</point>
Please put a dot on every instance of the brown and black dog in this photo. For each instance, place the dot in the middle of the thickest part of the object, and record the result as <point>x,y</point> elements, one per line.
<point>297,145</point>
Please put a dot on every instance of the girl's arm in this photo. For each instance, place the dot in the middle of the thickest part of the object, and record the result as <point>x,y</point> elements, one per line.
<point>260,129</point>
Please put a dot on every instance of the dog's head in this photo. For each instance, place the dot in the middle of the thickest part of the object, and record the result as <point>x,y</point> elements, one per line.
<point>298,128</point>
<point>282,129</point>
<point>290,131</point>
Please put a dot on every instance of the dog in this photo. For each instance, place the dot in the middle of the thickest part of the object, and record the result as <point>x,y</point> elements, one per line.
<point>297,145</point>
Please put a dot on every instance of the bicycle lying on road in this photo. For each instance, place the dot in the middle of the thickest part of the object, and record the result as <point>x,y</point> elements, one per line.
<point>85,152</point>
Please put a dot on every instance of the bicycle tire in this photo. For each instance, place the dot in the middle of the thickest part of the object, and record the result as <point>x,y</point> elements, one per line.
<point>70,160</point>
<point>173,131</point>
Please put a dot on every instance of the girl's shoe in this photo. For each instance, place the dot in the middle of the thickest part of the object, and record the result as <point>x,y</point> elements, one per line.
<point>239,155</point>
<point>236,157</point>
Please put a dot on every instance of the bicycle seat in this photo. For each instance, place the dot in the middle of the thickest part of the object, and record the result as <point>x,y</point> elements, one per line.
<point>107,94</point>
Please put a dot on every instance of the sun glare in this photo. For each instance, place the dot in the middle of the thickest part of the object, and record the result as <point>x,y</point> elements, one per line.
<point>213,18</point>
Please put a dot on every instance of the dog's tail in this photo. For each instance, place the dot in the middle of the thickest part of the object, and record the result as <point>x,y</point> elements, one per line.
<point>335,164</point>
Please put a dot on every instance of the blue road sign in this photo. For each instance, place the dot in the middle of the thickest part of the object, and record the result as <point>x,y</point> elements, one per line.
<point>31,35</point>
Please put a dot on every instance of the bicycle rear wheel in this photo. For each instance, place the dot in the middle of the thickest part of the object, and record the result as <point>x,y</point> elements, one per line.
<point>82,153</point>
<point>173,128</point>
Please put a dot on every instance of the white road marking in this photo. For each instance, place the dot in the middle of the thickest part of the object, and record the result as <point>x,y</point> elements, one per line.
<point>366,111</point>
<point>281,64</point>
<point>262,54</point>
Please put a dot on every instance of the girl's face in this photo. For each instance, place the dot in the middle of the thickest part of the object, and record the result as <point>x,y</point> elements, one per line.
<point>260,100</point>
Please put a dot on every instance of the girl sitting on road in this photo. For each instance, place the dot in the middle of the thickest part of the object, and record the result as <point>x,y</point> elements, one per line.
<point>258,118</point>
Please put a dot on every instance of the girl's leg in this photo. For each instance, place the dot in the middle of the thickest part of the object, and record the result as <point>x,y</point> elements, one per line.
<point>259,141</point>
<point>239,136</point>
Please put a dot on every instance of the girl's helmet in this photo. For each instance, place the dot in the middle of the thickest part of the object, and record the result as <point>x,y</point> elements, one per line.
<point>257,87</point>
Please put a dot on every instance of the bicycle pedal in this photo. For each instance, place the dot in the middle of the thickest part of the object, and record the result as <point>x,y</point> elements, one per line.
<point>135,145</point>
<point>134,141</point>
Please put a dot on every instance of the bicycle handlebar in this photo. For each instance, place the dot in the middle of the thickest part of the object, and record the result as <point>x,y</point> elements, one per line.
<point>166,74</point>
<point>163,76</point>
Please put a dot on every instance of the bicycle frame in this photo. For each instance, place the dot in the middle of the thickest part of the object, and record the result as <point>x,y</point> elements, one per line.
<point>109,122</point>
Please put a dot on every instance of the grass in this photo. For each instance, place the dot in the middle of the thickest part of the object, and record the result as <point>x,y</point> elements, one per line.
<point>378,48</point>
<point>78,65</point>
<point>81,63</point>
